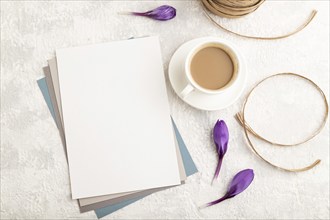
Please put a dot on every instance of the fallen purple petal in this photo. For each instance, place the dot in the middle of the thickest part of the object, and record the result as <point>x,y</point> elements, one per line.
<point>240,182</point>
<point>220,137</point>
<point>162,13</point>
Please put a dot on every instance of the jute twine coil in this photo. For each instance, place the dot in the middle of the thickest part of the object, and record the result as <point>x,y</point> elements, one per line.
<point>247,129</point>
<point>232,8</point>
<point>239,8</point>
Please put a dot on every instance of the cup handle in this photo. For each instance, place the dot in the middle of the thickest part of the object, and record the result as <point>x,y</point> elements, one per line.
<point>186,91</point>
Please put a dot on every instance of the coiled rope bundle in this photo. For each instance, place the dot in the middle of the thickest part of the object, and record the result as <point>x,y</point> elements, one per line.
<point>232,8</point>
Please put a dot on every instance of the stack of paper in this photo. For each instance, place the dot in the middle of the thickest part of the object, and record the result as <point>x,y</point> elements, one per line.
<point>110,105</point>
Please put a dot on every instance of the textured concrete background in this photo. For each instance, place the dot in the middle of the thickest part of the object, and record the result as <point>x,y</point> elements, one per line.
<point>34,175</point>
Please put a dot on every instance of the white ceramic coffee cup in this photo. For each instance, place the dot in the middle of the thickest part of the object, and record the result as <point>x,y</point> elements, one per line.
<point>193,85</point>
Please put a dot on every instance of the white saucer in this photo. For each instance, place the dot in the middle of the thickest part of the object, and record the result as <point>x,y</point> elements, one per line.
<point>198,99</point>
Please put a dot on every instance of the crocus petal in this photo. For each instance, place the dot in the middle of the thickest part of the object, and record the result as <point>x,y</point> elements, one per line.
<point>162,13</point>
<point>220,137</point>
<point>240,182</point>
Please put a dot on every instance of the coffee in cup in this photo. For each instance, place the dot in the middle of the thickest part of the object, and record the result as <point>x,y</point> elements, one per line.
<point>211,68</point>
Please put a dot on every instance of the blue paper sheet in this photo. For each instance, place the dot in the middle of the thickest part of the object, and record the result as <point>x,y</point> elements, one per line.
<point>189,165</point>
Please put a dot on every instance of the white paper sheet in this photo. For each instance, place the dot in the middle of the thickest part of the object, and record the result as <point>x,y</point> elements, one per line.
<point>116,118</point>
<point>87,204</point>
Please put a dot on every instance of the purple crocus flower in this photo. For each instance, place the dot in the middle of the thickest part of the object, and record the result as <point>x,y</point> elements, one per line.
<point>240,182</point>
<point>162,13</point>
<point>220,137</point>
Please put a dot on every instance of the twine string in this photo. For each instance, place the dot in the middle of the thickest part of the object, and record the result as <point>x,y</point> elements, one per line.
<point>247,129</point>
<point>211,6</point>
